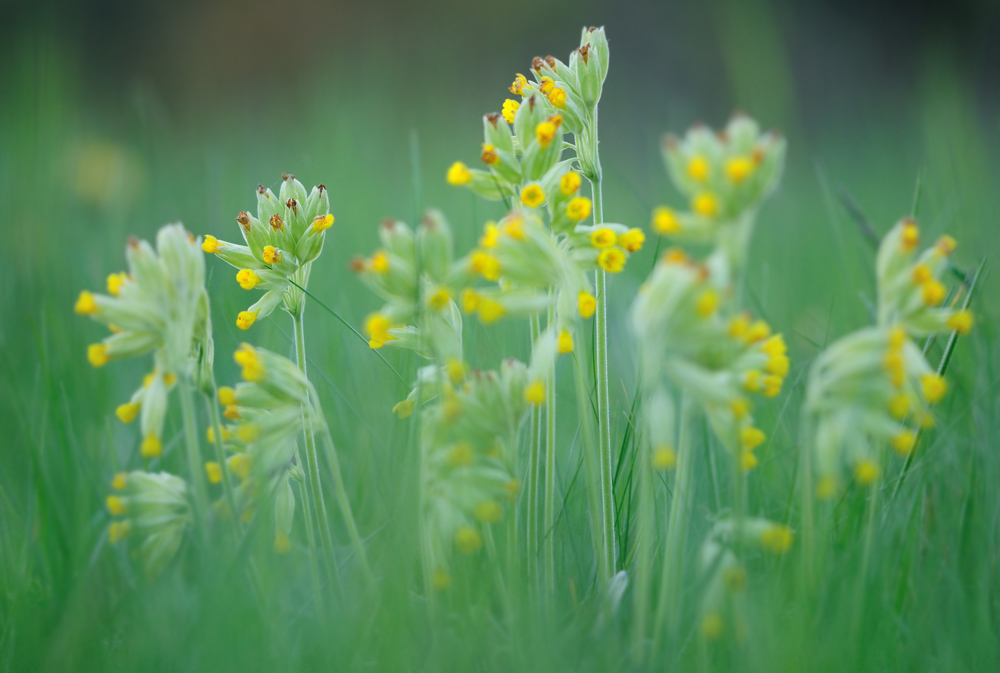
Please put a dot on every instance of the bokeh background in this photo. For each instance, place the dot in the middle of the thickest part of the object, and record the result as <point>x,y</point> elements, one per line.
<point>117,117</point>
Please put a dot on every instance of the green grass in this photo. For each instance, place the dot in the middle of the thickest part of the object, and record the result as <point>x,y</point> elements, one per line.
<point>70,601</point>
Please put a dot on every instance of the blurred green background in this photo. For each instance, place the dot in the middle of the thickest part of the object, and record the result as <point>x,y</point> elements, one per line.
<point>117,117</point>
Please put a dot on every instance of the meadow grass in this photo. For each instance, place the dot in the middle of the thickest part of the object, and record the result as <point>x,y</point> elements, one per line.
<point>927,599</point>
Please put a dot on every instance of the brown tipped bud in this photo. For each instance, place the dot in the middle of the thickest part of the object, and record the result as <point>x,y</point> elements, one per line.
<point>277,223</point>
<point>244,220</point>
<point>551,60</point>
<point>321,187</point>
<point>536,64</point>
<point>493,118</point>
<point>261,189</point>
<point>585,52</point>
<point>132,242</point>
<point>389,223</point>
<point>287,176</point>
<point>357,264</point>
<point>292,205</point>
<point>531,102</point>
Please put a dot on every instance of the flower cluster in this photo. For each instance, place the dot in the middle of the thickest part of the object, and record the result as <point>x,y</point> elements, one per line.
<point>152,508</point>
<point>282,241</point>
<point>690,341</point>
<point>159,306</point>
<point>725,176</point>
<point>874,387</point>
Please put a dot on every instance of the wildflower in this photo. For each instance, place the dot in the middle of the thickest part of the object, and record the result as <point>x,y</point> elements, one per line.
<point>776,539</point>
<point>151,447</point>
<point>632,240</point>
<point>565,343</point>
<point>470,300</point>
<point>119,481</point>
<point>535,393</point>
<point>587,304</point>
<point>85,304</point>
<point>403,409</point>
<point>127,412</point>
<point>488,511</point>
<point>97,354</point>
<point>945,245</point>
<point>468,540</point>
<point>557,97</point>
<point>569,184</point>
<point>578,208</point>
<point>214,472</point>
<point>210,245</point>
<point>377,326</point>
<point>899,407</point>
<point>603,238</point>
<point>707,303</point>
<point>116,506</point>
<point>489,155</point>
<point>751,438</point>
<point>226,396</point>
<point>246,319</point>
<point>664,458</point>
<point>748,461</point>
<point>545,132</point>
<point>712,626</point>
<point>509,110</point>
<point>117,531</point>
<point>738,168</point>
<point>665,222</point>
<point>271,255</point>
<point>933,292</point>
<point>903,442</point>
<point>910,236</point>
<point>532,196</point>
<point>705,204</point>
<point>249,359</point>
<point>116,282</point>
<point>485,265</point>
<point>517,88</point>
<point>490,235</point>
<point>440,299</point>
<point>459,174</point>
<point>322,222</point>
<point>698,168</point>
<point>489,311</point>
<point>961,322</point>
<point>247,279</point>
<point>611,260</point>
<point>866,471</point>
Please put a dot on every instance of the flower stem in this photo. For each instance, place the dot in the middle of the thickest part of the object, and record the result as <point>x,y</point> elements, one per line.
<point>220,456</point>
<point>345,508</point>
<point>314,488</point>
<point>534,467</point>
<point>197,471</point>
<point>607,546</point>
<point>549,511</point>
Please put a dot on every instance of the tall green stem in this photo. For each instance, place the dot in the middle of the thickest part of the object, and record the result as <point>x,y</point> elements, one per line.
<point>534,466</point>
<point>607,546</point>
<point>669,594</point>
<point>549,513</point>
<point>195,467</point>
<point>644,549</point>
<point>220,456</point>
<point>314,488</point>
<point>345,507</point>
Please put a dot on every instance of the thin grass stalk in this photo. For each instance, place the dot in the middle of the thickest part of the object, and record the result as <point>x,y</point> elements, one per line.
<point>808,517</point>
<point>861,591</point>
<point>643,563</point>
<point>197,471</point>
<point>607,547</point>
<point>314,488</point>
<point>668,607</point>
<point>549,512</point>
<point>586,412</point>
<point>345,508</point>
<point>534,467</point>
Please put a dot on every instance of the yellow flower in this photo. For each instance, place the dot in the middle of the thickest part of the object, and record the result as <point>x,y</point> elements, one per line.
<point>707,303</point>
<point>127,412</point>
<point>115,283</point>
<point>247,279</point>
<point>945,245</point>
<point>509,110</point>
<point>902,442</point>
<point>241,464</point>
<point>210,434</point>
<point>698,168</point>
<point>210,245</point>
<point>246,319</point>
<point>460,455</point>
<point>603,238</point>
<point>546,85</point>
<point>866,471</point>
<point>748,461</point>
<point>486,265</point>
<point>565,341</point>
<point>705,204</point>
<point>380,262</point>
<point>934,387</point>
<point>557,97</point>
<point>403,409</point>
<point>489,311</point>
<point>119,481</point>
<point>488,511</point>
<point>467,540</point>
<point>777,539</point>
<point>758,331</point>
<point>545,132</point>
<point>664,458</point>
<point>470,300</point>
<point>490,235</point>
<point>586,304</point>
<point>459,174</point>
<point>921,274</point>
<point>778,365</point>
<point>232,412</point>
<point>738,168</point>
<point>517,88</point>
<point>899,406</point>
<point>664,221</point>
<point>772,385</point>
<point>961,322</point>
<point>569,183</point>
<point>322,222</point>
<point>226,396</point>
<point>611,260</point>
<point>116,531</point>
<point>910,237</point>
<point>455,369</point>
<point>514,227</point>
<point>97,354</point>
<point>151,446</point>
<point>751,438</point>
<point>532,196</point>
<point>440,299</point>
<point>85,304</point>
<point>632,240</point>
<point>214,472</point>
<point>441,579</point>
<point>712,626</point>
<point>826,487</point>
<point>578,208</point>
<point>247,357</point>
<point>753,381</point>
<point>271,255</point>
<point>116,506</point>
<point>377,326</point>
<point>535,393</point>
<point>740,407</point>
<point>933,292</point>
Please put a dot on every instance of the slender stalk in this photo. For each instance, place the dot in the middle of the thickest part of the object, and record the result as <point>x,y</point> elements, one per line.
<point>607,546</point>
<point>534,467</point>
<point>549,512</point>
<point>195,467</point>
<point>345,508</point>
<point>669,594</point>
<point>645,543</point>
<point>310,523</point>
<point>220,457</point>
<point>314,488</point>
<point>859,600</point>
